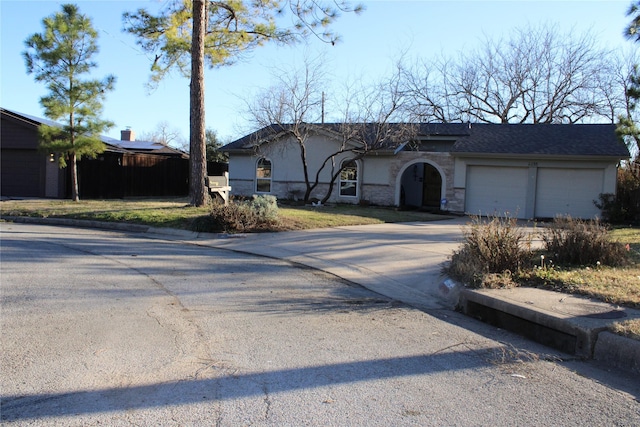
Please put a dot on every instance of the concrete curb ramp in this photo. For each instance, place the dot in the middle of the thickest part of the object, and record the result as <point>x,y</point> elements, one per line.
<point>573,324</point>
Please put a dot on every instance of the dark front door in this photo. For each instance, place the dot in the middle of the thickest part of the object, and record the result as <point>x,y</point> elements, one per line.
<point>431,187</point>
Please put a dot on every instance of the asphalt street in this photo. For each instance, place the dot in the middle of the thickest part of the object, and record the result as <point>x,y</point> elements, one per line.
<point>110,328</point>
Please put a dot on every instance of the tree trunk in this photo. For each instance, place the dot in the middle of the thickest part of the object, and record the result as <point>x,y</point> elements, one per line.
<point>73,163</point>
<point>197,141</point>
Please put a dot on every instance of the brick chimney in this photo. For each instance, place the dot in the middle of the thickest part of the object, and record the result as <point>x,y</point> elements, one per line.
<point>127,135</point>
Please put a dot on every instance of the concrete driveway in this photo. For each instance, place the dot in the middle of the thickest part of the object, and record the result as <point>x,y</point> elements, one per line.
<point>401,261</point>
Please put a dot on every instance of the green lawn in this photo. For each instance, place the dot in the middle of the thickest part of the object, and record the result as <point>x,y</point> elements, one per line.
<point>176,213</point>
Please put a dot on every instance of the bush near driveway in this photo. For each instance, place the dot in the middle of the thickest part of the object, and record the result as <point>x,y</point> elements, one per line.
<point>578,242</point>
<point>495,247</point>
<point>578,257</point>
<point>498,246</point>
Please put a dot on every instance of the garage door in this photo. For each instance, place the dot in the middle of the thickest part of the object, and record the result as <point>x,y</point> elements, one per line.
<point>494,190</point>
<point>568,192</point>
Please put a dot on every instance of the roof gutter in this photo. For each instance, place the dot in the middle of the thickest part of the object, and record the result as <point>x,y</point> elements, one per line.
<point>537,156</point>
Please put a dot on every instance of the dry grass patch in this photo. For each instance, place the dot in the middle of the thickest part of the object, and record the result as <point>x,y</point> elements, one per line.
<point>627,328</point>
<point>615,285</point>
<point>306,217</point>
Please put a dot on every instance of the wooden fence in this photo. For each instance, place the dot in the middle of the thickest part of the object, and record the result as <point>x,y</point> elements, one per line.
<point>118,175</point>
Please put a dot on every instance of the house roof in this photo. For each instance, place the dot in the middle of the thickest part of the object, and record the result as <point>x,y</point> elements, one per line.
<point>270,133</point>
<point>144,147</point>
<point>542,139</point>
<point>114,145</point>
<point>489,139</point>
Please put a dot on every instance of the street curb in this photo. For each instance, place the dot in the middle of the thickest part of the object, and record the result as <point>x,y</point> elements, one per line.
<point>83,223</point>
<point>618,351</point>
<point>584,337</point>
<point>532,322</point>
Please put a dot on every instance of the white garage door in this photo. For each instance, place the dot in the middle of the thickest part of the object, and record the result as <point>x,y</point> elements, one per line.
<point>568,192</point>
<point>495,190</point>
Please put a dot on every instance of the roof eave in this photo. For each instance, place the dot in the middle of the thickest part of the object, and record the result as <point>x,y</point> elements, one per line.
<point>598,157</point>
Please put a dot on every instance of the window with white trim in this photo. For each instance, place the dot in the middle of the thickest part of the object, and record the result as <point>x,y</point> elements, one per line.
<point>349,179</point>
<point>263,176</point>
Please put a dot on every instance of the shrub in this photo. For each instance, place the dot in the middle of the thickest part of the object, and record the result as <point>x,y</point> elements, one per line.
<point>256,214</point>
<point>498,246</point>
<point>580,242</point>
<point>624,206</point>
<point>265,206</point>
<point>614,209</point>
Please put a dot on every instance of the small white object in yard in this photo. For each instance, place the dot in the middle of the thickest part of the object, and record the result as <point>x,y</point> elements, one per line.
<point>447,286</point>
<point>450,291</point>
<point>518,376</point>
<point>316,204</point>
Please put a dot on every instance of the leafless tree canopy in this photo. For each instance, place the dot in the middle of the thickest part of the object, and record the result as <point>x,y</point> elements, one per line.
<point>164,134</point>
<point>537,75</point>
<point>294,107</point>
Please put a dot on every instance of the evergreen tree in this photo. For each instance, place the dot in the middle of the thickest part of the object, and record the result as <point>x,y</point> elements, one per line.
<point>59,57</point>
<point>633,29</point>
<point>627,128</point>
<point>213,148</point>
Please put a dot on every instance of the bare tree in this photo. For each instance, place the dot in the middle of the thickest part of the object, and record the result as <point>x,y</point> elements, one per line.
<point>293,108</point>
<point>290,106</point>
<point>372,121</point>
<point>538,75</point>
<point>187,35</point>
<point>165,134</point>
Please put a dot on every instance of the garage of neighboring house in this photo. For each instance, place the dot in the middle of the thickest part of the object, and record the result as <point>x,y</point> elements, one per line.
<point>127,168</point>
<point>27,171</point>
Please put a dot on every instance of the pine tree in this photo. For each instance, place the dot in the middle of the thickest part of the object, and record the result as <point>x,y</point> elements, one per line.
<point>59,57</point>
<point>189,34</point>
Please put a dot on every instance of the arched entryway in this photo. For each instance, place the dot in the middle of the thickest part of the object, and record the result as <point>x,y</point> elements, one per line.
<point>421,186</point>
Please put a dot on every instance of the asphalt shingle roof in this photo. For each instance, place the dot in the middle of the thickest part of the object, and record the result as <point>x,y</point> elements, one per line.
<point>542,139</point>
<point>514,139</point>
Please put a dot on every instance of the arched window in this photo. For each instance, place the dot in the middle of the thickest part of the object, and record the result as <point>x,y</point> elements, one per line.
<point>349,179</point>
<point>263,176</point>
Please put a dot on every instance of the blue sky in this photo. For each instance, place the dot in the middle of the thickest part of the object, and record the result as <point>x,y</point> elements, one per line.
<point>369,44</point>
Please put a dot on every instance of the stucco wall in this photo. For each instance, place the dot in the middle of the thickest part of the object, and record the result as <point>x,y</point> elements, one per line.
<point>288,174</point>
<point>379,175</point>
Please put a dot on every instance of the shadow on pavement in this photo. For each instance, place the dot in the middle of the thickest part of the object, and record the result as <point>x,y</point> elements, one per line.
<point>231,386</point>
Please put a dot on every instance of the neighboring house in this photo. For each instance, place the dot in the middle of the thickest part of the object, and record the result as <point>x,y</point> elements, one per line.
<point>525,170</point>
<point>127,168</point>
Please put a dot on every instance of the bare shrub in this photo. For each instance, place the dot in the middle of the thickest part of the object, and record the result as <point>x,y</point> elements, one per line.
<point>257,214</point>
<point>493,246</point>
<point>581,242</point>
